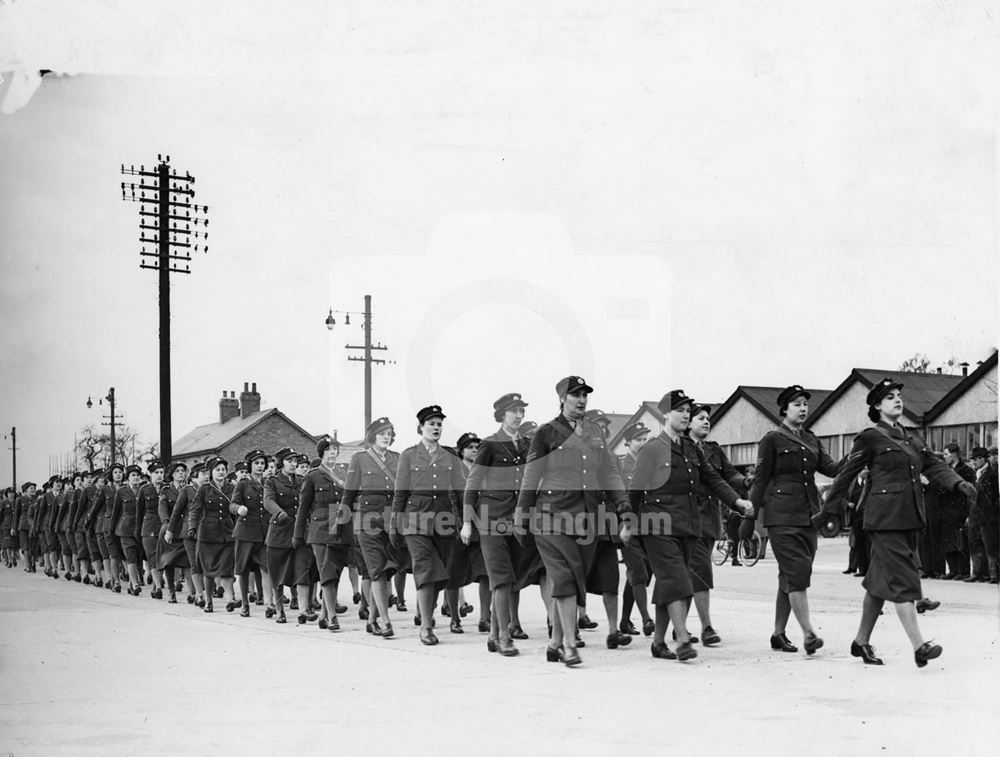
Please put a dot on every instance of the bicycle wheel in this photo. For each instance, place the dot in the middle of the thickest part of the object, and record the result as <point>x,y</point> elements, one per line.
<point>750,550</point>
<point>720,553</point>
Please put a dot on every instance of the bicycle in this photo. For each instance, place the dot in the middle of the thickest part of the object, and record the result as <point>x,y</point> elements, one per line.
<point>749,550</point>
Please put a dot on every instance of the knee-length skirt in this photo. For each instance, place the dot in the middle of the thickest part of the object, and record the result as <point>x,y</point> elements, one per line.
<point>669,558</point>
<point>172,555</point>
<point>565,561</point>
<point>701,564</point>
<point>637,571</point>
<point>129,548</point>
<point>466,565</point>
<point>603,574</point>
<point>894,570</point>
<point>502,555</point>
<point>430,556</point>
<point>331,559</point>
<point>378,554</point>
<point>249,555</point>
<point>217,559</point>
<point>191,548</point>
<point>794,548</point>
<point>82,545</point>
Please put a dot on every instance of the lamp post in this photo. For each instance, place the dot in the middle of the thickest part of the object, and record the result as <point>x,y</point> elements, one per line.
<point>366,349</point>
<point>110,397</point>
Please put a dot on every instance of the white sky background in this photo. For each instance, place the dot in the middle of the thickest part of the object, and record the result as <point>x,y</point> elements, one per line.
<point>720,193</point>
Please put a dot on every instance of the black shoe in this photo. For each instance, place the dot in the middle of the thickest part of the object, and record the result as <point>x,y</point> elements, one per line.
<point>363,614</point>
<point>848,571</point>
<point>285,600</point>
<point>445,610</point>
<point>709,636</point>
<point>334,624</point>
<point>553,654</point>
<point>736,563</point>
<point>401,606</point>
<point>618,639</point>
<point>387,632</point>
<point>270,612</point>
<point>341,609</point>
<point>79,579</point>
<point>252,598</point>
<point>259,602</point>
<point>208,606</point>
<point>692,639</point>
<point>156,594</point>
<point>970,580</point>
<point>782,644</point>
<point>465,609</point>
<point>661,651</point>
<point>580,643</point>
<point>356,598</point>
<point>232,604</point>
<point>926,605</point>
<point>686,652</point>
<point>427,637</point>
<point>507,649</point>
<point>323,624</point>
<point>586,622</point>
<point>570,657</point>
<point>392,600</point>
<point>416,620</point>
<point>220,592</point>
<point>484,626</point>
<point>866,652</point>
<point>812,643</point>
<point>626,626</point>
<point>281,617</point>
<point>648,626</point>
<point>294,604</point>
<point>492,645</point>
<point>245,612</point>
<point>376,628</point>
<point>456,626</point>
<point>191,598</point>
<point>516,632</point>
<point>172,599</point>
<point>200,602</point>
<point>302,619</point>
<point>926,652</point>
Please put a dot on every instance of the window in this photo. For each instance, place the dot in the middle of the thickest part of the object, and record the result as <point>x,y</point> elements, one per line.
<point>743,454</point>
<point>832,446</point>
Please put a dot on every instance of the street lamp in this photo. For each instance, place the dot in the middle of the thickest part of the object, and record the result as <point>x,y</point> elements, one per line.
<point>367,348</point>
<point>110,397</point>
<point>90,403</point>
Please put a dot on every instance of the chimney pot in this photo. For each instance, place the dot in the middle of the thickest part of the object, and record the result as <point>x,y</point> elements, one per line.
<point>249,400</point>
<point>254,386</point>
<point>939,369</point>
<point>246,386</point>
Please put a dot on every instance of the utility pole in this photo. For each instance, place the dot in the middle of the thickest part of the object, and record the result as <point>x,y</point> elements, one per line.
<point>366,349</point>
<point>13,457</point>
<point>169,209</point>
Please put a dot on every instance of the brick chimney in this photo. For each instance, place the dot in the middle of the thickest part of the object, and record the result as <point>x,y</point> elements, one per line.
<point>965,368</point>
<point>229,407</point>
<point>249,400</point>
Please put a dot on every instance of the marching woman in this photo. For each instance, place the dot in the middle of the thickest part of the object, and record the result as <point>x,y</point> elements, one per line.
<point>210,522</point>
<point>330,532</point>
<point>171,555</point>
<point>785,491</point>
<point>105,525</point>
<point>637,573</point>
<point>251,523</point>
<point>371,480</point>
<point>425,512</point>
<point>569,472</point>
<point>490,497</point>
<point>125,526</point>
<point>284,564</point>
<point>60,524</point>
<point>78,526</point>
<point>894,515</point>
<point>148,522</point>
<point>177,530</point>
<point>710,511</point>
<point>670,473</point>
<point>467,565</point>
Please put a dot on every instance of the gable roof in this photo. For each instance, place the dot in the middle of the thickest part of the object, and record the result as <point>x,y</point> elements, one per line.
<point>648,406</point>
<point>213,436</point>
<point>922,390</point>
<point>765,399</point>
<point>959,389</point>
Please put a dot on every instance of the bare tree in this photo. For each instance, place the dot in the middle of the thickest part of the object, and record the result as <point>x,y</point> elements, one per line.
<point>919,363</point>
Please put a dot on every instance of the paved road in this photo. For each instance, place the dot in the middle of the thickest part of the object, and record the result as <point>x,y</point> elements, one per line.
<point>87,672</point>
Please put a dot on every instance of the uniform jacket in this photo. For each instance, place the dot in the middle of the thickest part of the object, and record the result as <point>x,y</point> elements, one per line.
<point>954,507</point>
<point>81,523</point>
<point>281,495</point>
<point>209,516</point>
<point>22,512</point>
<point>986,509</point>
<point>369,487</point>
<point>569,474</point>
<point>181,510</point>
<point>44,512</point>
<point>32,508</point>
<point>494,480</point>
<point>123,512</point>
<point>105,505</point>
<point>69,512</point>
<point>895,458</point>
<point>148,511</point>
<point>7,521</point>
<point>426,486</point>
<point>321,517</point>
<point>668,478</point>
<point>709,507</point>
<point>249,493</point>
<point>785,487</point>
<point>165,504</point>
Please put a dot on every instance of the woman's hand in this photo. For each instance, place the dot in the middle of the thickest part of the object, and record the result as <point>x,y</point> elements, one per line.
<point>168,536</point>
<point>242,510</point>
<point>466,533</point>
<point>745,506</point>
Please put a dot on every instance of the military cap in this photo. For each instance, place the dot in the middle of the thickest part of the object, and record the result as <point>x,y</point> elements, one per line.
<point>239,466</point>
<point>214,462</point>
<point>197,468</point>
<point>253,455</point>
<point>466,439</point>
<point>68,481</point>
<point>173,468</point>
<point>27,485</point>
<point>231,477</point>
<point>119,466</point>
<point>634,431</point>
<point>700,408</point>
<point>789,393</point>
<point>282,453</point>
<point>97,473</point>
<point>325,444</point>
<point>572,384</point>
<point>54,479</point>
<point>376,427</point>
<point>673,400</point>
<point>597,416</point>
<point>132,469</point>
<point>314,463</point>
<point>881,389</point>
<point>153,465</point>
<point>509,401</point>
<point>980,452</point>
<point>431,411</point>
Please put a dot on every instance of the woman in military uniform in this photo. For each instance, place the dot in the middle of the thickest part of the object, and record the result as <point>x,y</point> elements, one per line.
<point>425,511</point>
<point>670,473</point>
<point>210,522</point>
<point>78,527</point>
<point>116,474</point>
<point>95,537</point>
<point>171,555</point>
<point>148,519</point>
<point>467,565</point>
<point>370,482</point>
<point>637,572</point>
<point>177,530</point>
<point>329,532</point>
<point>490,499</point>
<point>894,515</point>
<point>785,491</point>
<point>569,472</point>
<point>251,523</point>
<point>126,527</point>
<point>284,564</point>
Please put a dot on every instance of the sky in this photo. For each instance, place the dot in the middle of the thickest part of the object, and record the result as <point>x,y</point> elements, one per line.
<point>665,195</point>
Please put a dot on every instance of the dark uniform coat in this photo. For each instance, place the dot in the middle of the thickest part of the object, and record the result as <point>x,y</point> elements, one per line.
<point>281,498</point>
<point>494,481</point>
<point>321,517</point>
<point>369,486</point>
<point>180,512</point>
<point>711,514</point>
<point>123,512</point>
<point>147,512</point>
<point>252,527</point>
<point>426,486</point>
<point>209,516</point>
